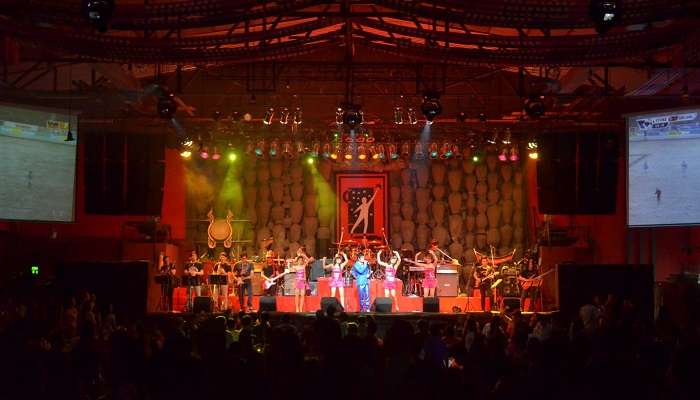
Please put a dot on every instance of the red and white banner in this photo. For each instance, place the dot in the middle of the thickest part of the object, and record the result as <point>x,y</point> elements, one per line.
<point>362,204</point>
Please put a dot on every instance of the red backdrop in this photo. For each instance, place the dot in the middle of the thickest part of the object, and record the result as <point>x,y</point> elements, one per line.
<point>350,187</point>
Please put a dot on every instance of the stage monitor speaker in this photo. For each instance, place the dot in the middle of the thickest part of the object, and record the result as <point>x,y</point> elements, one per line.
<point>431,304</point>
<point>330,301</point>
<point>268,303</point>
<point>513,303</point>
<point>382,305</point>
<point>448,284</point>
<point>202,304</point>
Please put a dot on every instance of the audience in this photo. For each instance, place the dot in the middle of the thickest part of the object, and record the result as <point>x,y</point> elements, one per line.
<point>73,350</point>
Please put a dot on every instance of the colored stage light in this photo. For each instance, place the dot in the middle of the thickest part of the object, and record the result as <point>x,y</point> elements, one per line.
<point>604,13</point>
<point>336,152</point>
<point>477,156</point>
<point>445,151</point>
<point>493,139</point>
<point>534,155</point>
<point>274,148</point>
<point>326,150</point>
<point>514,154</point>
<point>505,139</point>
<point>411,115</point>
<point>260,148</point>
<point>315,149</point>
<point>431,106</point>
<point>215,155</point>
<point>300,148</point>
<point>167,106</point>
<point>361,152</point>
<point>186,154</point>
<point>456,152</point>
<point>232,156</point>
<point>503,156</point>
<point>298,116</point>
<point>203,152</point>
<point>418,152</point>
<point>434,150</point>
<point>287,150</point>
<point>349,152</point>
<point>532,149</point>
<point>34,270</point>
<point>406,150</point>
<point>284,116</point>
<point>310,160</point>
<point>339,116</point>
<point>269,115</point>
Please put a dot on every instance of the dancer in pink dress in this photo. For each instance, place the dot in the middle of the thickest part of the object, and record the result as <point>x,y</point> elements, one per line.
<point>337,281</point>
<point>390,270</point>
<point>299,269</point>
<point>429,279</point>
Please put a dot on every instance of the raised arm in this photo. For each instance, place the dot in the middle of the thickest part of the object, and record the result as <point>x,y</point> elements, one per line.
<point>345,261</point>
<point>373,196</point>
<point>379,260</point>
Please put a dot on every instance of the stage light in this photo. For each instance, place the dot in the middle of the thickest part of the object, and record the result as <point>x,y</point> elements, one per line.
<point>456,152</point>
<point>398,115</point>
<point>98,13</point>
<point>336,152</point>
<point>493,139</point>
<point>392,152</point>
<point>406,149</point>
<point>339,116</point>
<point>482,117</point>
<point>433,150</point>
<point>418,151</point>
<point>232,156</point>
<point>298,116</point>
<point>247,117</point>
<point>235,116</point>
<point>411,115</point>
<point>533,149</point>
<point>215,155</point>
<point>287,150</point>
<point>299,146</point>
<point>604,14</point>
<point>506,137</point>
<point>326,150</point>
<point>260,148</point>
<point>187,142</point>
<point>534,106</point>
<point>533,155</point>
<point>69,137</point>
<point>461,116</point>
<point>353,116</point>
<point>185,154</point>
<point>445,151</point>
<point>203,152</point>
<point>310,160</point>
<point>361,152</point>
<point>216,115</point>
<point>274,148</point>
<point>503,156</point>
<point>375,154</point>
<point>284,116</point>
<point>431,107</point>
<point>315,149</point>
<point>269,115</point>
<point>167,106</point>
<point>348,154</point>
<point>514,154</point>
<point>249,148</point>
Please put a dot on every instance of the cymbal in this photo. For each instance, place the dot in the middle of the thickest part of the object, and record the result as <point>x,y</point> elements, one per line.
<point>375,242</point>
<point>381,247</point>
<point>345,242</point>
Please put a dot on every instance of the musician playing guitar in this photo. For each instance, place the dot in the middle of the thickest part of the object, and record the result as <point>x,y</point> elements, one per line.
<point>530,284</point>
<point>243,274</point>
<point>268,272</point>
<point>483,278</point>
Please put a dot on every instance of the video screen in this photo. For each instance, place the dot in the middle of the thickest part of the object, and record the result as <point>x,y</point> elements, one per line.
<point>663,168</point>
<point>37,182</point>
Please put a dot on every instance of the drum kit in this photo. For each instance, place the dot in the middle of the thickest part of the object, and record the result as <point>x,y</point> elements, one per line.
<point>368,246</point>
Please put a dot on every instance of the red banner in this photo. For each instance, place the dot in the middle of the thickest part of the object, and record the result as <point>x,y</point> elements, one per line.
<point>362,205</point>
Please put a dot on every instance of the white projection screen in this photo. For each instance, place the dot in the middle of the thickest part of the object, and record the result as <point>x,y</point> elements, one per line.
<point>37,165</point>
<point>663,168</point>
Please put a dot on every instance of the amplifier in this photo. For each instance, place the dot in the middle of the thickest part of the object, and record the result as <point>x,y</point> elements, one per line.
<point>289,284</point>
<point>447,284</point>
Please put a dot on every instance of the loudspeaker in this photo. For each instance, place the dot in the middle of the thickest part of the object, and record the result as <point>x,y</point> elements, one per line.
<point>268,303</point>
<point>448,284</point>
<point>382,305</point>
<point>330,301</point>
<point>202,304</point>
<point>511,302</point>
<point>431,304</point>
<point>289,284</point>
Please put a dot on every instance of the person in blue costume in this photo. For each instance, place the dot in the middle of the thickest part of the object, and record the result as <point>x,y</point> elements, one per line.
<point>361,271</point>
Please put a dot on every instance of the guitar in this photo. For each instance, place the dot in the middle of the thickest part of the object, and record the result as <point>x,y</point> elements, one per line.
<point>477,280</point>
<point>267,283</point>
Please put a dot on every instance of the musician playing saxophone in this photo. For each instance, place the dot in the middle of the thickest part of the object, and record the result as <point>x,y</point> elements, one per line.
<point>483,279</point>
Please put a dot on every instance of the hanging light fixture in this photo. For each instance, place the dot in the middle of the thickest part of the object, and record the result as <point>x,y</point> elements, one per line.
<point>287,149</point>
<point>203,151</point>
<point>503,156</point>
<point>445,151</point>
<point>215,155</point>
<point>339,116</point>
<point>398,115</point>
<point>431,106</point>
<point>298,116</point>
<point>349,152</point>
<point>335,152</point>
<point>361,152</point>
<point>411,115</point>
<point>274,148</point>
<point>406,149</point>
<point>260,148</point>
<point>418,151</point>
<point>284,116</point>
<point>514,154</point>
<point>433,150</point>
<point>269,115</point>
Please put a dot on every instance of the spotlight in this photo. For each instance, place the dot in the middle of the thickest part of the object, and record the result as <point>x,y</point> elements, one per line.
<point>186,154</point>
<point>274,148</point>
<point>381,152</point>
<point>506,137</point>
<point>187,142</point>
<point>310,160</point>
<point>336,152</point>
<point>167,106</point>
<point>493,139</point>
<point>353,116</point>
<point>326,151</point>
<point>269,115</point>
<point>433,150</point>
<point>298,116</point>
<point>532,149</point>
<point>299,146</point>
<point>477,156</point>
<point>482,117</point>
<point>203,152</point>
<point>534,106</point>
<point>418,151</point>
<point>232,156</point>
<point>315,149</point>
<point>247,117</point>
<point>339,116</point>
<point>69,137</point>
<point>411,115</point>
<point>287,150</point>
<point>462,116</point>
<point>445,151</point>
<point>393,153</point>
<point>98,13</point>
<point>431,107</point>
<point>605,14</point>
<point>534,155</point>
<point>215,155</point>
<point>514,156</point>
<point>504,155</point>
<point>349,152</point>
<point>260,148</point>
<point>284,116</point>
<point>456,152</point>
<point>398,115</point>
<point>361,152</point>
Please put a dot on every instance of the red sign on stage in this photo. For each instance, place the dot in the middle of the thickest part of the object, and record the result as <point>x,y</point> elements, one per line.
<point>362,204</point>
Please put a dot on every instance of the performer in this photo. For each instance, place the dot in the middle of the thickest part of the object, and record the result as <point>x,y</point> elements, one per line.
<point>363,210</point>
<point>220,292</point>
<point>483,278</point>
<point>429,280</point>
<point>390,270</point>
<point>195,271</point>
<point>299,268</point>
<point>432,249</point>
<point>268,272</point>
<point>529,288</point>
<point>167,270</point>
<point>337,282</point>
<point>361,271</point>
<point>244,272</point>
